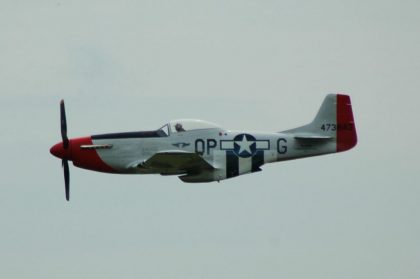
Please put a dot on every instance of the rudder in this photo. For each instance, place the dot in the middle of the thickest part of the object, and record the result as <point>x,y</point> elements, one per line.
<point>346,129</point>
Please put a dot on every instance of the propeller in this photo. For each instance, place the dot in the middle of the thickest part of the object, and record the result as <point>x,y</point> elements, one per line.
<point>65,163</point>
<point>63,125</point>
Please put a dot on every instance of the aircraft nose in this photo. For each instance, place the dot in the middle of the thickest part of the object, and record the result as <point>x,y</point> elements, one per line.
<point>58,151</point>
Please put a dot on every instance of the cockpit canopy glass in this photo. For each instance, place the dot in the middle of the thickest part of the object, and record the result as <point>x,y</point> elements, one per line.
<point>183,125</point>
<point>164,131</point>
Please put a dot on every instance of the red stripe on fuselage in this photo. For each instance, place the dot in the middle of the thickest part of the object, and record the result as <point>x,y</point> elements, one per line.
<point>87,158</point>
<point>346,129</point>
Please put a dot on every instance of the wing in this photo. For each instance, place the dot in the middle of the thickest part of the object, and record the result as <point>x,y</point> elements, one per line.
<point>172,162</point>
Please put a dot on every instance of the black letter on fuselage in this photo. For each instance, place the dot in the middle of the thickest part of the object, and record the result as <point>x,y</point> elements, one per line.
<point>211,143</point>
<point>199,146</point>
<point>281,149</point>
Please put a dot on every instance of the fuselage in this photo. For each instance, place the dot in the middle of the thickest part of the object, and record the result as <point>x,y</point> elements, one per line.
<point>232,153</point>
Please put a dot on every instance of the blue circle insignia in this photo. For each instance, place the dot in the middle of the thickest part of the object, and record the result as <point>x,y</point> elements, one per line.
<point>244,145</point>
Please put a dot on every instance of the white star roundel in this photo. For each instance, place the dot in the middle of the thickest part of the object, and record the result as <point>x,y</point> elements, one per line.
<point>244,145</point>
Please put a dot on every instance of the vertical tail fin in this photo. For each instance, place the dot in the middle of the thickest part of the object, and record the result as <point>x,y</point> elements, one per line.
<point>334,120</point>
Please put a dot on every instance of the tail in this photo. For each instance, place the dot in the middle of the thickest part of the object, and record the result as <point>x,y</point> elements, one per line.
<point>334,121</point>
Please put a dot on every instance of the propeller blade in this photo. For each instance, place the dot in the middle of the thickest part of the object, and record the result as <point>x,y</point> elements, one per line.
<point>63,125</point>
<point>66,178</point>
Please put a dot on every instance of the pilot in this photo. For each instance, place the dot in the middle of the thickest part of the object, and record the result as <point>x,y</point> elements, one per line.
<point>178,127</point>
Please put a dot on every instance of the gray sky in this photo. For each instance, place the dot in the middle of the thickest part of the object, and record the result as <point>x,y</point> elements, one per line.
<point>254,65</point>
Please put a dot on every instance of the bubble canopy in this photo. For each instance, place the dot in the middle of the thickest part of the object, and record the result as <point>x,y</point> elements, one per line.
<point>184,125</point>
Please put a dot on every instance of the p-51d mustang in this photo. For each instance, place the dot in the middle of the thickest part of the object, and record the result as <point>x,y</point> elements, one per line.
<point>200,151</point>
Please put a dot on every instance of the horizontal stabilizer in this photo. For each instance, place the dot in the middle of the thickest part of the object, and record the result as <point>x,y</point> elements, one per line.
<point>312,137</point>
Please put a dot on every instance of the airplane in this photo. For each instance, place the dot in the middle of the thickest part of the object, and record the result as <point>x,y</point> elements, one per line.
<point>201,151</point>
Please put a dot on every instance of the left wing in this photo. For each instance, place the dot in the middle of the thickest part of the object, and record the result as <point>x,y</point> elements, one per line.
<point>176,161</point>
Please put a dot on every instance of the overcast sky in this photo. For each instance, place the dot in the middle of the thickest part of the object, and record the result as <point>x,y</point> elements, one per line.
<point>253,65</point>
